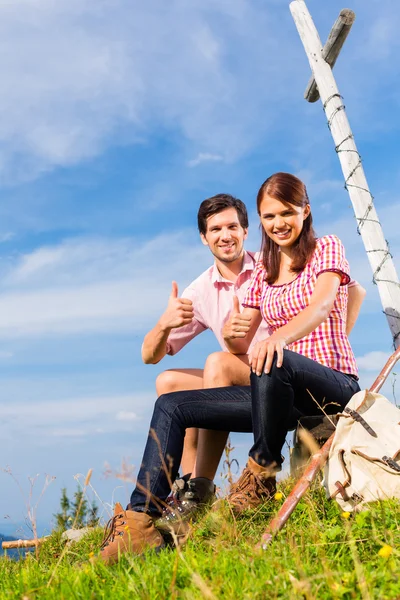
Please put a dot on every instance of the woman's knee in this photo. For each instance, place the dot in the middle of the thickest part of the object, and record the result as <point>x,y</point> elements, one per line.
<point>275,374</point>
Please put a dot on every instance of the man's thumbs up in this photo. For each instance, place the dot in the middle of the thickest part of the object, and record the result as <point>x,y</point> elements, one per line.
<point>179,311</point>
<point>174,291</point>
<point>236,305</point>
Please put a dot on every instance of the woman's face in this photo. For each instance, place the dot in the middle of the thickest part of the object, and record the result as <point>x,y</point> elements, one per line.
<point>283,223</point>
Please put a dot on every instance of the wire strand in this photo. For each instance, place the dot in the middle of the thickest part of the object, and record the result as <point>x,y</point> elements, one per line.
<point>366,218</point>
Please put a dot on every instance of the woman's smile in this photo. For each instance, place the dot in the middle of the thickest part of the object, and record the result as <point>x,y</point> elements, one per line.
<point>282,222</point>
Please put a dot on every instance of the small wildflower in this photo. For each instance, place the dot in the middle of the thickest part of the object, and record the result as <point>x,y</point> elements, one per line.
<point>385,551</point>
<point>346,514</point>
<point>91,554</point>
<point>278,496</point>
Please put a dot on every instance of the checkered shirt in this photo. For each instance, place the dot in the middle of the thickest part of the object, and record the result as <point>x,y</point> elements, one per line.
<point>328,344</point>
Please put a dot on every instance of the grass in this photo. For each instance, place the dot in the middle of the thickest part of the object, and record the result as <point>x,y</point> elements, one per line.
<point>320,554</point>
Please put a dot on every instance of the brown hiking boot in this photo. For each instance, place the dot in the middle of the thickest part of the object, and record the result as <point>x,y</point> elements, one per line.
<point>255,485</point>
<point>128,531</point>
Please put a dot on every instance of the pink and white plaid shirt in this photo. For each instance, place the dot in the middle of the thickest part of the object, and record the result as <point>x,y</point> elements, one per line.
<point>212,298</point>
<point>328,344</point>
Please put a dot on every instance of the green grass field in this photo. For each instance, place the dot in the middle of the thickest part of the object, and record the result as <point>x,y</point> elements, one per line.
<point>321,553</point>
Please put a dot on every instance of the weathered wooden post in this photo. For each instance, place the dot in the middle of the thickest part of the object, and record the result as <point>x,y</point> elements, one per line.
<point>384,272</point>
<point>332,48</point>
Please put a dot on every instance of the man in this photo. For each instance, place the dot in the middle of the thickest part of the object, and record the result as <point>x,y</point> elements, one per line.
<point>210,302</point>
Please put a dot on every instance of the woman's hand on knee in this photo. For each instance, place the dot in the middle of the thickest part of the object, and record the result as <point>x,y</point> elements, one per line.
<point>262,353</point>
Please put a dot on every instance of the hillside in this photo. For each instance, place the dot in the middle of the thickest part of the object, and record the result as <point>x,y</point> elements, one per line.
<point>321,554</point>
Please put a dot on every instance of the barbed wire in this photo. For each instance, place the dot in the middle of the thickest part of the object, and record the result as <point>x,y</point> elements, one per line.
<point>366,218</point>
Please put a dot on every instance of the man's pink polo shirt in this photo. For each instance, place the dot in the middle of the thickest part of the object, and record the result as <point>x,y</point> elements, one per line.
<point>212,298</point>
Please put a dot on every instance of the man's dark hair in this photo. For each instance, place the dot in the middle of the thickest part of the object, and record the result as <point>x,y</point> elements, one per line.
<point>217,204</point>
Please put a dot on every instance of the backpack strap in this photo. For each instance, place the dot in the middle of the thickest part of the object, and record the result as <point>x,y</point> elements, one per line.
<point>385,460</point>
<point>357,417</point>
<point>340,487</point>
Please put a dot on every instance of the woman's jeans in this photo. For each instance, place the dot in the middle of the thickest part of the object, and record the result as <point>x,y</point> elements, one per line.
<point>301,385</point>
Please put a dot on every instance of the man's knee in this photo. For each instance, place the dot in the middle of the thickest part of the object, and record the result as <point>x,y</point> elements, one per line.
<point>224,369</point>
<point>166,382</point>
<point>215,362</point>
<point>167,403</point>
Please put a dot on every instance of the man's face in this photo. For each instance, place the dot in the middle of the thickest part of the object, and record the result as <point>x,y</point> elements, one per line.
<point>225,235</point>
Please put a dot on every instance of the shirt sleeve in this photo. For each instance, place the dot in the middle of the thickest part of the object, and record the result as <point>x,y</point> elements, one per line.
<point>180,336</point>
<point>331,258</point>
<point>252,298</point>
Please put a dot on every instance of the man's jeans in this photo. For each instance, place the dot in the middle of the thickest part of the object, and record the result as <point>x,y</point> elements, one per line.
<point>266,408</point>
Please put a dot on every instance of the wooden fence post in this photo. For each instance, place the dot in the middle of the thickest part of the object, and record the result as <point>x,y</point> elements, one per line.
<point>384,272</point>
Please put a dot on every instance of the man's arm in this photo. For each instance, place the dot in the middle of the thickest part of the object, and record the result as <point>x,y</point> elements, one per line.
<point>154,346</point>
<point>356,297</point>
<point>178,313</point>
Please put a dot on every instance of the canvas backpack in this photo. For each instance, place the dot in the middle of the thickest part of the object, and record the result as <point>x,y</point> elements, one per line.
<point>364,460</point>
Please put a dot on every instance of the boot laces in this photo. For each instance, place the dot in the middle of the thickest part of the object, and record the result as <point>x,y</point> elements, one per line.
<point>112,529</point>
<point>178,505</point>
<point>250,484</point>
<point>191,493</point>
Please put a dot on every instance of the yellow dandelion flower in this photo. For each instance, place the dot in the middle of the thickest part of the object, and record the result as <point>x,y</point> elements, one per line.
<point>278,496</point>
<point>346,514</point>
<point>91,554</point>
<point>385,551</point>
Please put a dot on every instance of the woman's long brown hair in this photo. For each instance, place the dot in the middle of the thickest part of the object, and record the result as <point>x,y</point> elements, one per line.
<point>290,190</point>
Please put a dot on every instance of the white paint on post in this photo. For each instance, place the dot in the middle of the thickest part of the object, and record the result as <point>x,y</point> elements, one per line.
<point>381,262</point>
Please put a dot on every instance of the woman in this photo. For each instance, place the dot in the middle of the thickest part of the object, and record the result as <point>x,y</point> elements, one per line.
<point>300,289</point>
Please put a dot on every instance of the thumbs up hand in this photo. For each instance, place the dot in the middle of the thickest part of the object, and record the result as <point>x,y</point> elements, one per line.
<point>237,324</point>
<point>179,311</point>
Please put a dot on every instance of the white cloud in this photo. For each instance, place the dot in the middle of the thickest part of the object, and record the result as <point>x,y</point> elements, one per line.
<point>203,157</point>
<point>79,75</point>
<point>6,237</point>
<point>381,39</point>
<point>68,433</point>
<point>124,415</point>
<point>96,285</point>
<point>74,417</point>
<point>372,361</point>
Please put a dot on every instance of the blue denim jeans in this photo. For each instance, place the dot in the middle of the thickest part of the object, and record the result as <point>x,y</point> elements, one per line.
<point>267,408</point>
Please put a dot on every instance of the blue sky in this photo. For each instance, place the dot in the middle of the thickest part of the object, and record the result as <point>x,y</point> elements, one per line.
<point>118,118</point>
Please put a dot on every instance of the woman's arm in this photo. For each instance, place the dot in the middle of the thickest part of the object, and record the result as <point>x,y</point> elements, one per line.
<point>321,304</point>
<point>356,298</point>
<point>240,328</point>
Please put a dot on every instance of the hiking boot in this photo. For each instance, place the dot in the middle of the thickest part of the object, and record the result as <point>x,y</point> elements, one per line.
<point>128,531</point>
<point>188,501</point>
<point>255,485</point>
<point>179,486</point>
